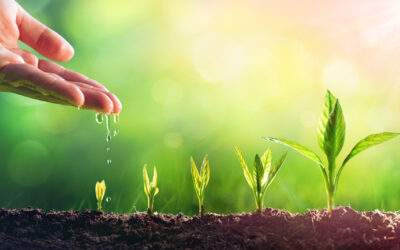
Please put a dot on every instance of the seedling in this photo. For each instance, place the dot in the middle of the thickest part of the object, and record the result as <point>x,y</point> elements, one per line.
<point>150,189</point>
<point>200,181</point>
<point>331,134</point>
<point>100,190</point>
<point>263,175</point>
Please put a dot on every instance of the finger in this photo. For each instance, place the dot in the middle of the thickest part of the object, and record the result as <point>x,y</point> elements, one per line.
<point>42,39</point>
<point>68,75</point>
<point>117,106</point>
<point>97,100</point>
<point>7,57</point>
<point>27,56</point>
<point>28,76</point>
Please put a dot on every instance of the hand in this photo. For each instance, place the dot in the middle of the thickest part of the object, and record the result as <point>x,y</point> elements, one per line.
<point>22,73</point>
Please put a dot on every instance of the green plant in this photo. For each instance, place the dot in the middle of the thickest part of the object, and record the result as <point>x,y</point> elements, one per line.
<point>150,189</point>
<point>200,180</point>
<point>100,190</point>
<point>331,134</point>
<point>262,176</point>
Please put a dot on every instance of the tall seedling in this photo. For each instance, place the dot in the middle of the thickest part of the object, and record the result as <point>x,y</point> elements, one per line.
<point>331,134</point>
<point>262,176</point>
<point>200,180</point>
<point>150,189</point>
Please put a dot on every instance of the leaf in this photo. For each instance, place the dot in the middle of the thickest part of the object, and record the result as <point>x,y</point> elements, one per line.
<point>274,170</point>
<point>329,105</point>
<point>299,148</point>
<point>195,176</point>
<point>333,133</point>
<point>246,170</point>
<point>155,179</point>
<point>266,161</point>
<point>258,172</point>
<point>146,180</point>
<point>207,176</point>
<point>369,141</point>
<point>203,168</point>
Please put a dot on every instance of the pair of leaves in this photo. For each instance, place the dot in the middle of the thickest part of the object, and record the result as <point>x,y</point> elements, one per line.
<point>200,180</point>
<point>150,188</point>
<point>331,133</point>
<point>263,173</point>
<point>100,190</point>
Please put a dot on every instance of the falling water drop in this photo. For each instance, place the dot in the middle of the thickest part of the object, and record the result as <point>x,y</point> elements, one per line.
<point>108,199</point>
<point>108,162</point>
<point>99,118</point>
<point>108,149</point>
<point>116,119</point>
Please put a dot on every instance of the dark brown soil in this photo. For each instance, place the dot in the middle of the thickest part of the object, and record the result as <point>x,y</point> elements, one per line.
<point>277,229</point>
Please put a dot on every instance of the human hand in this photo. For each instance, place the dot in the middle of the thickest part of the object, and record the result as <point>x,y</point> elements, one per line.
<point>22,73</point>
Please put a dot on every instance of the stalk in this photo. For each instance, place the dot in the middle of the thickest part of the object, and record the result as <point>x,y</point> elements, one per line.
<point>201,210</point>
<point>331,184</point>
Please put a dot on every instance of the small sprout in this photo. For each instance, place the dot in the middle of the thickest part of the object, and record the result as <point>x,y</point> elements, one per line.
<point>263,175</point>
<point>331,134</point>
<point>150,189</point>
<point>100,191</point>
<point>200,180</point>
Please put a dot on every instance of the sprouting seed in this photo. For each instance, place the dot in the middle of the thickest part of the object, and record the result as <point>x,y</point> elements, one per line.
<point>100,190</point>
<point>331,134</point>
<point>150,189</point>
<point>262,176</point>
<point>200,180</point>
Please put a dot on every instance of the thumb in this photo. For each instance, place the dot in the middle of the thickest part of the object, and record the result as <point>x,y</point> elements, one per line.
<point>42,39</point>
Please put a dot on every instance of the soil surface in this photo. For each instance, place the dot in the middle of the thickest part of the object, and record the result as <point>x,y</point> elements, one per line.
<point>277,229</point>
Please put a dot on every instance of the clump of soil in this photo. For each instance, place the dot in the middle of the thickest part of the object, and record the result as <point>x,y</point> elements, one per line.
<point>277,229</point>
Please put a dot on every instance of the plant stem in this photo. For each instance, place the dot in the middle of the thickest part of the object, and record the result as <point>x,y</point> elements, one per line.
<point>150,209</point>
<point>331,184</point>
<point>201,210</point>
<point>331,202</point>
<point>260,204</point>
<point>99,206</point>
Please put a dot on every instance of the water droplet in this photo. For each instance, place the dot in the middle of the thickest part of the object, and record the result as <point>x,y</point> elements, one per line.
<point>108,149</point>
<point>108,199</point>
<point>116,119</point>
<point>99,118</point>
<point>109,162</point>
<point>116,132</point>
<point>79,107</point>
<point>108,138</point>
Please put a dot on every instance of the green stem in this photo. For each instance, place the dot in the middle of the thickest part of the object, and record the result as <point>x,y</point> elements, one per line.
<point>260,204</point>
<point>201,210</point>
<point>150,206</point>
<point>99,205</point>
<point>331,185</point>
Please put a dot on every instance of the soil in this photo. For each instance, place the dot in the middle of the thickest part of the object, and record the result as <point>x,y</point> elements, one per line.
<point>277,229</point>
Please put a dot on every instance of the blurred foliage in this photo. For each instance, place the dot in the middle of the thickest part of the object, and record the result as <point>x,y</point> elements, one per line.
<point>196,77</point>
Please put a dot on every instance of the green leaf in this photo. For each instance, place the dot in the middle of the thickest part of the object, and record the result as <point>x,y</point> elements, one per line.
<point>155,178</point>
<point>266,161</point>
<point>195,176</point>
<point>299,148</point>
<point>245,168</point>
<point>331,129</point>
<point>204,169</point>
<point>207,175</point>
<point>258,172</point>
<point>275,168</point>
<point>329,104</point>
<point>146,181</point>
<point>369,141</point>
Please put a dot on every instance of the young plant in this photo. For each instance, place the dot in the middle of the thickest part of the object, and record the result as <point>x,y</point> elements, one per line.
<point>331,134</point>
<point>100,190</point>
<point>200,181</point>
<point>150,189</point>
<point>262,176</point>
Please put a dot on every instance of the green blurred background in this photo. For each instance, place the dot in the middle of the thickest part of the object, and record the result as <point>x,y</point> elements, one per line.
<point>198,77</point>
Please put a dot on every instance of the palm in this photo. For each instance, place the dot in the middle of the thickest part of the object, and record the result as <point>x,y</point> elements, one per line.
<point>22,73</point>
